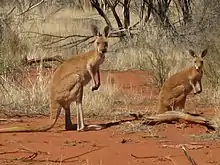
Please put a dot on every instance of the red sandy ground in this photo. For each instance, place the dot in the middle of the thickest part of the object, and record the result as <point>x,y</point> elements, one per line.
<point>111,146</point>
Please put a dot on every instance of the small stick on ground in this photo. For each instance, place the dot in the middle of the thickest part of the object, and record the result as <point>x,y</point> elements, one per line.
<point>31,157</point>
<point>34,154</point>
<point>189,146</point>
<point>77,156</point>
<point>156,157</point>
<point>9,120</point>
<point>144,157</point>
<point>190,159</point>
<point>10,152</point>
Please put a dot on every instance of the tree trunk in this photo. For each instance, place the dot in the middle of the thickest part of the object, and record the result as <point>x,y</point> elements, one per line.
<point>126,13</point>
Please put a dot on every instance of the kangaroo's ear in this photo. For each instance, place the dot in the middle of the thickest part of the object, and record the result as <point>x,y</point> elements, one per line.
<point>95,30</point>
<point>191,52</point>
<point>106,31</point>
<point>204,52</point>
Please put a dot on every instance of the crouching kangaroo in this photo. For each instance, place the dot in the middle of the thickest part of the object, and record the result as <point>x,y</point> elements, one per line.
<point>176,88</point>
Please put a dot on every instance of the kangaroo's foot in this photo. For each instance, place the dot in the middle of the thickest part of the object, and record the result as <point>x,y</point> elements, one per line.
<point>92,127</point>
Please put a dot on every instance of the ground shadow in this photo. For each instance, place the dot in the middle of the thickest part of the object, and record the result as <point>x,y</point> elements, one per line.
<point>103,125</point>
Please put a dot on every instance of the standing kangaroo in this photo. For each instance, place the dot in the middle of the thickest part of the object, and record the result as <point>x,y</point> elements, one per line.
<point>67,84</point>
<point>176,88</point>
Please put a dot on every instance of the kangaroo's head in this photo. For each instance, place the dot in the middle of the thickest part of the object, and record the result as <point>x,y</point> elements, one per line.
<point>101,42</point>
<point>198,59</point>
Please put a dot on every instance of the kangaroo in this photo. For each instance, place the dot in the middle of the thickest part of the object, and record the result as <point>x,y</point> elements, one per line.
<point>176,88</point>
<point>67,84</point>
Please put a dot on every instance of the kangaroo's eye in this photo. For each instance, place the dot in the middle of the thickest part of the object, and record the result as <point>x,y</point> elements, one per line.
<point>97,43</point>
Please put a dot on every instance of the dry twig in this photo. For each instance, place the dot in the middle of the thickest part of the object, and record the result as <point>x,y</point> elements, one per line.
<point>34,154</point>
<point>189,146</point>
<point>190,159</point>
<point>30,7</point>
<point>155,157</point>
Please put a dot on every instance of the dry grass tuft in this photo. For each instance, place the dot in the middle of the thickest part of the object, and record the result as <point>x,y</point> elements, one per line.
<point>28,100</point>
<point>33,99</point>
<point>129,128</point>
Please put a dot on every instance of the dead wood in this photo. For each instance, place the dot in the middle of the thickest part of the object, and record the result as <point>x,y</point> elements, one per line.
<point>172,116</point>
<point>25,61</point>
<point>127,13</point>
<point>155,157</point>
<point>189,146</point>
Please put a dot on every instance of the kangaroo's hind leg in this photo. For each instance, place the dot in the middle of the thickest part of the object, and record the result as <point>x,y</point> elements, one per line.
<point>78,93</point>
<point>179,102</point>
<point>68,123</point>
<point>80,115</point>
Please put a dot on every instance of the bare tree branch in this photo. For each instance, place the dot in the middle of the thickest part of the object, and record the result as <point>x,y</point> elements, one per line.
<point>25,61</point>
<point>96,5</point>
<point>126,13</point>
<point>57,36</point>
<point>31,7</point>
<point>141,13</point>
<point>112,7</point>
<point>185,6</point>
<point>10,11</point>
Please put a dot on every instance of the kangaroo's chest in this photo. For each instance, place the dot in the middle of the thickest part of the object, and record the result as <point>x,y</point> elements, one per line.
<point>95,64</point>
<point>87,75</point>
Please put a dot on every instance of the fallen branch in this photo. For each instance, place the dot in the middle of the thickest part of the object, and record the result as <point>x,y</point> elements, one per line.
<point>172,116</point>
<point>25,61</point>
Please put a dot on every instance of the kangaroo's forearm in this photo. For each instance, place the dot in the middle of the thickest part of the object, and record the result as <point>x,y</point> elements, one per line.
<point>91,74</point>
<point>193,86</point>
<point>98,75</point>
<point>199,87</point>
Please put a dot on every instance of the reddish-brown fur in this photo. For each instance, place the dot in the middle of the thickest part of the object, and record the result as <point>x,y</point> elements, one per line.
<point>176,88</point>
